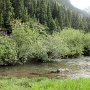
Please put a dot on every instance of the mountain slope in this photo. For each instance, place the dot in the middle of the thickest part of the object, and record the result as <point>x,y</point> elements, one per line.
<point>68,4</point>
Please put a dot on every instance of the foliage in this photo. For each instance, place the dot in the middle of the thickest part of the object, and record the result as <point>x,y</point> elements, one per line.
<point>74,40</point>
<point>87,44</point>
<point>87,40</point>
<point>30,44</point>
<point>8,53</point>
<point>34,44</point>
<point>68,42</point>
<point>56,46</point>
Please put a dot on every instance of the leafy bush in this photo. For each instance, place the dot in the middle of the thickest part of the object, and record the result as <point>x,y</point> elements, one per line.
<point>67,43</point>
<point>30,45</point>
<point>36,45</point>
<point>87,44</point>
<point>56,46</point>
<point>74,40</point>
<point>39,51</point>
<point>23,40</point>
<point>8,53</point>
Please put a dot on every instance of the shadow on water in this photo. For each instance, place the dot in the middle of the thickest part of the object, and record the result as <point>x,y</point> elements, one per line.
<point>68,68</point>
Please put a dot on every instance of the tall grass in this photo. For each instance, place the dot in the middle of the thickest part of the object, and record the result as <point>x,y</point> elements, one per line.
<point>44,84</point>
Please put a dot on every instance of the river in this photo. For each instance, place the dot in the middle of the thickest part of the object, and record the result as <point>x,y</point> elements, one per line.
<point>70,68</point>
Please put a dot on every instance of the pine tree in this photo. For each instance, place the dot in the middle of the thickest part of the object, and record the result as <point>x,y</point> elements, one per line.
<point>30,7</point>
<point>61,18</point>
<point>1,13</point>
<point>52,26</point>
<point>57,25</point>
<point>49,15</point>
<point>42,12</point>
<point>67,22</point>
<point>69,15</point>
<point>87,23</point>
<point>1,20</point>
<point>20,10</point>
<point>75,21</point>
<point>7,15</point>
<point>55,10</point>
<point>25,16</point>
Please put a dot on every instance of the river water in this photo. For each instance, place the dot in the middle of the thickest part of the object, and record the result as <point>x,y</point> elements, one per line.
<point>69,68</point>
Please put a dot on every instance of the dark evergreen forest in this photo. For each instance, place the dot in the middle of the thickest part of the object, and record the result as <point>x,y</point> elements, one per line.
<point>49,13</point>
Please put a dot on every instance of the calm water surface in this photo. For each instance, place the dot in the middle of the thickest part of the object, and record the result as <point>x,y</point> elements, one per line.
<point>76,68</point>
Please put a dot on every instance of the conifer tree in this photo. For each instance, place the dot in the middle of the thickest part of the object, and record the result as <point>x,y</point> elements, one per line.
<point>52,26</point>
<point>55,10</point>
<point>30,7</point>
<point>1,13</point>
<point>42,12</point>
<point>60,18</point>
<point>7,15</point>
<point>67,19</point>
<point>25,16</point>
<point>75,21</point>
<point>49,15</point>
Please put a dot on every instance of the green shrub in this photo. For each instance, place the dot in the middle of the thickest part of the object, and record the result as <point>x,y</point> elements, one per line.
<point>67,43</point>
<point>74,40</point>
<point>8,53</point>
<point>39,51</point>
<point>26,44</point>
<point>56,46</point>
<point>30,45</point>
<point>87,44</point>
<point>24,40</point>
<point>87,40</point>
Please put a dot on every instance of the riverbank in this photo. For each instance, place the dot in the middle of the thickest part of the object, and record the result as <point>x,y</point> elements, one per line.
<point>44,84</point>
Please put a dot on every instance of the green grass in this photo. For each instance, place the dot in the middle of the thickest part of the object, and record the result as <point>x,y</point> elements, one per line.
<point>44,84</point>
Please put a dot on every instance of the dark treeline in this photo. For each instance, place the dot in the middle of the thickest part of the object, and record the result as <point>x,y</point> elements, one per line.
<point>49,13</point>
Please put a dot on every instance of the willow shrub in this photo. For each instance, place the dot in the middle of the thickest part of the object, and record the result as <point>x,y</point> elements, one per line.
<point>8,53</point>
<point>67,43</point>
<point>37,47</point>
<point>87,44</point>
<point>25,45</point>
<point>74,40</point>
<point>30,45</point>
<point>56,46</point>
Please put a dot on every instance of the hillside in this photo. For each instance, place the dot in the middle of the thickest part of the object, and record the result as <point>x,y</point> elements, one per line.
<point>67,4</point>
<point>56,15</point>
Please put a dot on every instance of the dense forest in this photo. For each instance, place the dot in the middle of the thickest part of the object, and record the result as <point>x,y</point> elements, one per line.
<point>41,30</point>
<point>49,13</point>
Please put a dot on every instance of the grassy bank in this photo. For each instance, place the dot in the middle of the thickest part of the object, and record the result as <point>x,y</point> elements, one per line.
<point>44,84</point>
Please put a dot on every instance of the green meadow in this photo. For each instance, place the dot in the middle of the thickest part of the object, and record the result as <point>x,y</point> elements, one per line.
<point>44,84</point>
